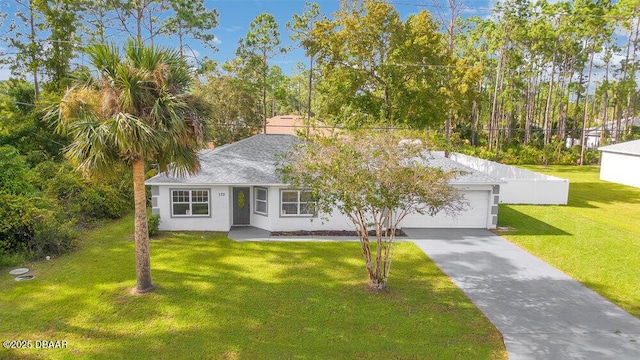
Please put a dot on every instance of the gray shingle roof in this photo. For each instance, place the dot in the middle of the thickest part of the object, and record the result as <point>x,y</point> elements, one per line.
<point>249,161</point>
<point>629,147</point>
<point>252,161</point>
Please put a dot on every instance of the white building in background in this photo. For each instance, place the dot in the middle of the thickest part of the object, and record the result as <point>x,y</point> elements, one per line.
<point>621,163</point>
<point>593,136</point>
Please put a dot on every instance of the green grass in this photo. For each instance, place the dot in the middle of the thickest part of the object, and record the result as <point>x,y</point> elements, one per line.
<point>228,300</point>
<point>595,238</point>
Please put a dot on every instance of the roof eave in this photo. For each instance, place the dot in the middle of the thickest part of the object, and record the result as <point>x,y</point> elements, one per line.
<point>622,152</point>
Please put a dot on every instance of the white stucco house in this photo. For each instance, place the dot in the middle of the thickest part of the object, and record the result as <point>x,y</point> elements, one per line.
<point>621,163</point>
<point>238,185</point>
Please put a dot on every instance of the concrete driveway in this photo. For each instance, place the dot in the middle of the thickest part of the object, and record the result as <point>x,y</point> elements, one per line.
<point>541,312</point>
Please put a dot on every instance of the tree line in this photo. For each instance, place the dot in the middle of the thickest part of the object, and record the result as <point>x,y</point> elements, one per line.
<point>513,87</point>
<point>522,79</point>
<point>523,76</point>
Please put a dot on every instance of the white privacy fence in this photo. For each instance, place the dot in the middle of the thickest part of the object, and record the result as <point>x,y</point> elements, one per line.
<point>522,186</point>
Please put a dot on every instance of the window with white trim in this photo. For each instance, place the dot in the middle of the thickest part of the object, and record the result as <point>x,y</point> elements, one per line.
<point>260,196</point>
<point>189,202</point>
<point>296,203</point>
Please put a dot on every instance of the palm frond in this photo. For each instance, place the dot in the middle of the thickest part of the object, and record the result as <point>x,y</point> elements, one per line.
<point>79,102</point>
<point>92,150</point>
<point>179,160</point>
<point>133,137</point>
<point>105,58</point>
<point>137,109</point>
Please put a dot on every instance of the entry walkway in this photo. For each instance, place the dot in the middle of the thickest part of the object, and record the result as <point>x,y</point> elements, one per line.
<point>541,312</point>
<point>247,233</point>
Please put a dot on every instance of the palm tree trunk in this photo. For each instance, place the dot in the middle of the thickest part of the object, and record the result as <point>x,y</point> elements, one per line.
<point>141,234</point>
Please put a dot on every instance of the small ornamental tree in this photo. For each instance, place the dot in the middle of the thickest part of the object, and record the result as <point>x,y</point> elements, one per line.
<point>376,180</point>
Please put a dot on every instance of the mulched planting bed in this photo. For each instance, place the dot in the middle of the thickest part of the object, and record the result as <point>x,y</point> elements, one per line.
<point>399,233</point>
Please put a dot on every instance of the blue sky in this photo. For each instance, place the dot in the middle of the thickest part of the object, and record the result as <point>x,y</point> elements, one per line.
<point>235,16</point>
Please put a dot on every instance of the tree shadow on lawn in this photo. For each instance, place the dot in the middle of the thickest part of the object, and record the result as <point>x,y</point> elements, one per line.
<point>220,299</point>
<point>523,224</point>
<point>317,293</point>
<point>590,194</point>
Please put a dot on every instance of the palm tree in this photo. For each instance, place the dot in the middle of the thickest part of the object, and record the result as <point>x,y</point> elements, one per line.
<point>136,110</point>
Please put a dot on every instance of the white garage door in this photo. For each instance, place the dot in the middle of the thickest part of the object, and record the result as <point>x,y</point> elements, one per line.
<point>474,217</point>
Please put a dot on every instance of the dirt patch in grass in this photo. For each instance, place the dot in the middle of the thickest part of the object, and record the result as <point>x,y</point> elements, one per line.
<point>399,233</point>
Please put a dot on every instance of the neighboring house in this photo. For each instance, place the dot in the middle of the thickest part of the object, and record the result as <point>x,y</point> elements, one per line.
<point>593,135</point>
<point>285,124</point>
<point>238,185</point>
<point>621,163</point>
<point>294,124</point>
<point>592,138</point>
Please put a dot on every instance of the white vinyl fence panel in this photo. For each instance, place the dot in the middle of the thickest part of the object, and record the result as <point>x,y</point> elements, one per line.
<point>522,186</point>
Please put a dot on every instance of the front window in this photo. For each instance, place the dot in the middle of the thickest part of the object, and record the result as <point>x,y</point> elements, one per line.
<point>260,195</point>
<point>296,203</point>
<point>189,202</point>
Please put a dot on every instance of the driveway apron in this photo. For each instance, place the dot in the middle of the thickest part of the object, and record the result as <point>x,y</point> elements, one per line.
<point>541,312</point>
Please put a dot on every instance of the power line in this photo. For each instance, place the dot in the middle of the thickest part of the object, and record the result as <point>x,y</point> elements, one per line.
<point>534,9</point>
<point>388,127</point>
<point>426,65</point>
<point>396,127</point>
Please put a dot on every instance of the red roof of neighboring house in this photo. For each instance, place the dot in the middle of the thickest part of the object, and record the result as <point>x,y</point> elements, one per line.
<point>291,125</point>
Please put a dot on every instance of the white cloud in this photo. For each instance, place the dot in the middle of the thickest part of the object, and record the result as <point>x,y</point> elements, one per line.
<point>598,73</point>
<point>233,28</point>
<point>191,53</point>
<point>614,62</point>
<point>5,73</point>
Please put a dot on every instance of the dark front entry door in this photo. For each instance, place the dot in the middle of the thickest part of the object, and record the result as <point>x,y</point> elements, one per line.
<point>241,202</point>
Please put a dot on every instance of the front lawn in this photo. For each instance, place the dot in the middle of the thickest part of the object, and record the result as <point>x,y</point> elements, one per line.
<point>228,300</point>
<point>595,238</point>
